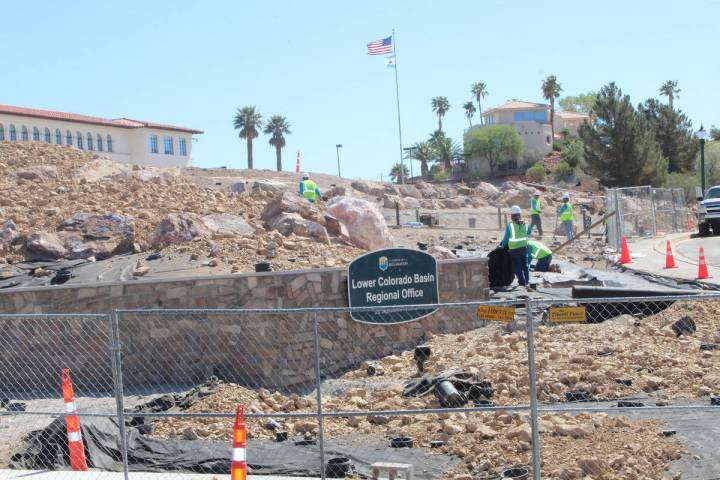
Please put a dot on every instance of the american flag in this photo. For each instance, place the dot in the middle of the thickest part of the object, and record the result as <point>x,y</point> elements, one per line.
<point>381,46</point>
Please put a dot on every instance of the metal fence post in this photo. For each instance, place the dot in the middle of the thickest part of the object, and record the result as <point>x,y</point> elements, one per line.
<point>321,431</point>
<point>115,350</point>
<point>652,203</point>
<point>533,389</point>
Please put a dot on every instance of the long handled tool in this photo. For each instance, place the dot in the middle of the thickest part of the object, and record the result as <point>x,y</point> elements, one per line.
<point>555,226</point>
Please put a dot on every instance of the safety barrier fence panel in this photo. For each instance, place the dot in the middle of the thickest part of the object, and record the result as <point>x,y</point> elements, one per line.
<point>34,352</point>
<point>562,388</point>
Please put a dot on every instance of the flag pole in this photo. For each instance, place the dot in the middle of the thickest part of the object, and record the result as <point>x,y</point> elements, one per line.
<point>397,98</point>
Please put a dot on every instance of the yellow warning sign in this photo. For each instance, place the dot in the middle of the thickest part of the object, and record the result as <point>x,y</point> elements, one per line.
<point>496,314</point>
<point>567,314</point>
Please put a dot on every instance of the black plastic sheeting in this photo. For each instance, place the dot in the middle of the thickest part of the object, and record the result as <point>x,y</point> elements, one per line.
<point>500,268</point>
<point>47,450</point>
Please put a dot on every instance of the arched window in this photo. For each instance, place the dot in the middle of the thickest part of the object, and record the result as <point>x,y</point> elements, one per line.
<point>47,135</point>
<point>68,138</point>
<point>2,133</point>
<point>78,138</point>
<point>36,134</point>
<point>109,143</point>
<point>13,133</point>
<point>58,137</point>
<point>99,142</point>
<point>89,141</point>
<point>24,134</point>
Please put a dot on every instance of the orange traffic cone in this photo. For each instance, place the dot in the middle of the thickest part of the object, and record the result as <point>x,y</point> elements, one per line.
<point>690,223</point>
<point>669,259</point>
<point>462,182</point>
<point>702,266</point>
<point>624,252</point>
<point>238,467</point>
<point>75,441</point>
<point>297,163</point>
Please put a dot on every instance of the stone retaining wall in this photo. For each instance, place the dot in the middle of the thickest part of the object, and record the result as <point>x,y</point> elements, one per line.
<point>160,350</point>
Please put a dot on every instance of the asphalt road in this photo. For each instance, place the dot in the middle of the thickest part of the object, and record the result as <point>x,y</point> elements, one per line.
<point>688,250</point>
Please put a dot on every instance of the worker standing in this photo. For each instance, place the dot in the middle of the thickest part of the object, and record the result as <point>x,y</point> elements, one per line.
<point>541,254</point>
<point>515,240</point>
<point>309,189</point>
<point>566,215</point>
<point>535,211</point>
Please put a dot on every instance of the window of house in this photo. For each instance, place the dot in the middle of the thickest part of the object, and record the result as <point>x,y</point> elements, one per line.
<point>109,143</point>
<point>532,116</point>
<point>58,137</point>
<point>2,133</point>
<point>24,134</point>
<point>36,134</point>
<point>98,137</point>
<point>153,144</point>
<point>46,135</point>
<point>182,147</point>
<point>89,141</point>
<point>547,139</point>
<point>12,133</point>
<point>78,138</point>
<point>168,145</point>
<point>68,137</point>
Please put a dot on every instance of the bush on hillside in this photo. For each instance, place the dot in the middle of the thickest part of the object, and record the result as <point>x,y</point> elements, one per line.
<point>536,172</point>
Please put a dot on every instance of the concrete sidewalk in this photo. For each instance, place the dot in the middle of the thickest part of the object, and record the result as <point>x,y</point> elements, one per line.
<point>648,255</point>
<point>97,475</point>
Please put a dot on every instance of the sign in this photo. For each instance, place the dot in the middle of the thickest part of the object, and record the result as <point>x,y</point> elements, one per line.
<point>393,276</point>
<point>489,313</point>
<point>567,314</point>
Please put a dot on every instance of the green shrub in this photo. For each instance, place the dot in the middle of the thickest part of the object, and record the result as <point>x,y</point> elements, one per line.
<point>686,181</point>
<point>573,152</point>
<point>556,145</point>
<point>440,175</point>
<point>537,172</point>
<point>562,171</point>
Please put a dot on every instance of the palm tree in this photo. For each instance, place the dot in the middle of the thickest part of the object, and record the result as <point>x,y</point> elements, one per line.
<point>395,172</point>
<point>670,90</point>
<point>247,120</point>
<point>446,151</point>
<point>422,152</point>
<point>551,90</point>
<point>469,111</point>
<point>479,90</point>
<point>440,105</point>
<point>278,127</point>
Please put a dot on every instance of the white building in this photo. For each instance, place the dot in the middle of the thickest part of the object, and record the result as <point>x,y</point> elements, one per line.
<point>122,139</point>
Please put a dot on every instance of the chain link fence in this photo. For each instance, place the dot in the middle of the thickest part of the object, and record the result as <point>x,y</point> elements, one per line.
<point>544,388</point>
<point>643,212</point>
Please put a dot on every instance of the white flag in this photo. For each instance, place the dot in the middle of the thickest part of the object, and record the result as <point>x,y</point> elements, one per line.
<point>390,62</point>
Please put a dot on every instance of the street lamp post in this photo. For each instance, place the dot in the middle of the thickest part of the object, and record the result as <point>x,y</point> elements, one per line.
<point>409,151</point>
<point>702,135</point>
<point>337,149</point>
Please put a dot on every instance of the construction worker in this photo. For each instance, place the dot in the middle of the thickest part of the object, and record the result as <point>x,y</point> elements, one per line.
<point>535,211</point>
<point>515,240</point>
<point>541,254</point>
<point>566,215</point>
<point>309,189</point>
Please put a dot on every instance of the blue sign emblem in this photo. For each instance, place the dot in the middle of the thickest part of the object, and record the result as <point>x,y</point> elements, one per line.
<point>383,263</point>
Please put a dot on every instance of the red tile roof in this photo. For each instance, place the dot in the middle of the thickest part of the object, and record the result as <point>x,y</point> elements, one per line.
<point>73,117</point>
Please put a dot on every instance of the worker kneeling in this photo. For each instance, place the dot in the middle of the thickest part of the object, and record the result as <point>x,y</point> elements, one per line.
<point>515,240</point>
<point>541,254</point>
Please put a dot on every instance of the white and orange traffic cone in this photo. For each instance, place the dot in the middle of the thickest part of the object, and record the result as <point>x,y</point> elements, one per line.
<point>669,259</point>
<point>75,442</point>
<point>702,266</point>
<point>624,252</point>
<point>297,163</point>
<point>238,467</point>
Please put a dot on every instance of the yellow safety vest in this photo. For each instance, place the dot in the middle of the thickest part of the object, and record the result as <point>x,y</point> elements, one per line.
<point>538,250</point>
<point>567,215</point>
<point>535,206</point>
<point>518,236</point>
<point>309,188</point>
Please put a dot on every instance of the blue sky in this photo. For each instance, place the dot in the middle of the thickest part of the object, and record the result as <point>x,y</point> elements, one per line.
<point>193,63</point>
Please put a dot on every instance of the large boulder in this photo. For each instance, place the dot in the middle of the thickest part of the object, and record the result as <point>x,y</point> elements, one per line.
<point>286,202</point>
<point>103,168</point>
<point>8,235</point>
<point>44,246</point>
<point>451,203</point>
<point>409,191</point>
<point>487,190</point>
<point>95,235</point>
<point>335,191</point>
<point>268,186</point>
<point>39,172</point>
<point>177,228</point>
<point>366,225</point>
<point>360,186</point>
<point>389,201</point>
<point>411,202</point>
<point>227,225</point>
<point>287,223</point>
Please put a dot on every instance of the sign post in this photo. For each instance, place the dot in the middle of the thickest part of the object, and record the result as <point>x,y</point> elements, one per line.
<point>392,277</point>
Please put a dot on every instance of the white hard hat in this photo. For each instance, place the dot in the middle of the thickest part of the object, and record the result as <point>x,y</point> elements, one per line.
<point>566,196</point>
<point>305,175</point>
<point>515,210</point>
<point>536,193</point>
